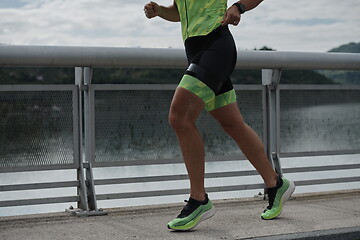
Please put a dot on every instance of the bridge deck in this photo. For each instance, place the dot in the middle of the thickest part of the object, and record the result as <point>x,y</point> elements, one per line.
<point>304,216</point>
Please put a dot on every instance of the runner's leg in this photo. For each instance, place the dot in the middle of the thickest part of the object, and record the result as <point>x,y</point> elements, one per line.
<point>233,124</point>
<point>185,109</point>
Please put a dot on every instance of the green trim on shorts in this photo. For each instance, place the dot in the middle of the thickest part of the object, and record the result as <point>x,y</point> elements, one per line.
<point>201,90</point>
<point>221,100</point>
<point>197,87</point>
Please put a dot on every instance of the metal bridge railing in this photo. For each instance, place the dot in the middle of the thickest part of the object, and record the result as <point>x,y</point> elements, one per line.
<point>96,139</point>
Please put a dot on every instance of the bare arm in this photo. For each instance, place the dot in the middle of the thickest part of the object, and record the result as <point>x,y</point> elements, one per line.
<point>250,4</point>
<point>169,13</point>
<point>233,16</point>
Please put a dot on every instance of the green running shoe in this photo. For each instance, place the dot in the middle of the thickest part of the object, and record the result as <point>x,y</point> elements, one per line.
<point>277,197</point>
<point>192,214</point>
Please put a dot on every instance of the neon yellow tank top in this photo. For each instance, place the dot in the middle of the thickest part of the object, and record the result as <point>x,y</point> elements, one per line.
<point>200,17</point>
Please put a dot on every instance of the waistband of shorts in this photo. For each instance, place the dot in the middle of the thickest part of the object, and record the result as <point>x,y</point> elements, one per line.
<point>217,33</point>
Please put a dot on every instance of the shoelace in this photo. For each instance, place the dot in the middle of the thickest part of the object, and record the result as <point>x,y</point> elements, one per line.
<point>185,209</point>
<point>190,206</point>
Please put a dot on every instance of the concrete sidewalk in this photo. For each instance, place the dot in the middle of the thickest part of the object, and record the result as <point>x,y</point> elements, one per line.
<point>235,219</point>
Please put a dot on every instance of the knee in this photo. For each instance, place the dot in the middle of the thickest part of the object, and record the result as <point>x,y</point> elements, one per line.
<point>179,122</point>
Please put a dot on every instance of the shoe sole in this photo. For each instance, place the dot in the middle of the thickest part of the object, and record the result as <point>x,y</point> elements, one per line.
<point>204,216</point>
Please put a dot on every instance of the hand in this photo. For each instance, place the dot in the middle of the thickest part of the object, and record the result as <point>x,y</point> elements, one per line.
<point>232,16</point>
<point>151,10</point>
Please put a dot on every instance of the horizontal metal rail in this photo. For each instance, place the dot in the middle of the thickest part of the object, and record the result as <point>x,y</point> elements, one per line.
<point>321,168</point>
<point>38,201</point>
<point>317,87</point>
<point>164,161</point>
<point>32,186</point>
<point>39,168</point>
<point>326,181</point>
<point>318,153</point>
<point>157,193</point>
<point>162,87</point>
<point>221,174</point>
<point>37,88</point>
<point>61,56</point>
<point>172,177</point>
<point>175,192</point>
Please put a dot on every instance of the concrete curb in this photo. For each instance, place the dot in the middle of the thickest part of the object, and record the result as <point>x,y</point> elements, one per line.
<point>351,233</point>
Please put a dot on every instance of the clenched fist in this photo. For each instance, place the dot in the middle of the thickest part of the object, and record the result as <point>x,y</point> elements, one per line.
<point>151,10</point>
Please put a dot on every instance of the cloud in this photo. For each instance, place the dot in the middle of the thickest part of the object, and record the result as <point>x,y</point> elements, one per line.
<point>284,25</point>
<point>303,25</point>
<point>307,22</point>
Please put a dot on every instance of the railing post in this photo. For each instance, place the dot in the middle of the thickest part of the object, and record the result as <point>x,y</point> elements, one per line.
<point>82,189</point>
<point>86,190</point>
<point>89,124</point>
<point>271,80</point>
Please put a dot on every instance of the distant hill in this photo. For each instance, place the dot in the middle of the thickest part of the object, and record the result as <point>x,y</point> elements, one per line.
<point>344,77</point>
<point>347,48</point>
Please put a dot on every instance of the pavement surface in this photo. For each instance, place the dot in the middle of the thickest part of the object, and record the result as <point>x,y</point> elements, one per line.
<point>332,215</point>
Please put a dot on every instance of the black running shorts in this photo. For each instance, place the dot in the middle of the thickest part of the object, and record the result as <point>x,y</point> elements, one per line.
<point>211,60</point>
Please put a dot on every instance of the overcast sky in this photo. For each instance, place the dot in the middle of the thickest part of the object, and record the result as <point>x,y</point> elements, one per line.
<point>285,25</point>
